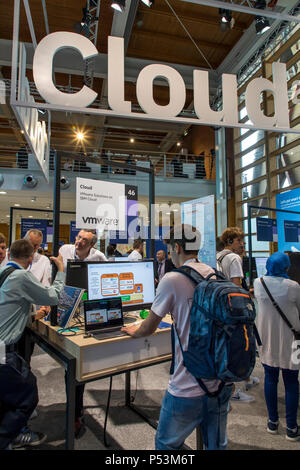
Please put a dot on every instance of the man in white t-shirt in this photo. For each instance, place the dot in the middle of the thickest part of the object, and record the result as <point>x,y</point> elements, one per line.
<point>40,267</point>
<point>230,262</point>
<point>83,248</point>
<point>184,395</point>
<point>229,259</point>
<point>138,249</point>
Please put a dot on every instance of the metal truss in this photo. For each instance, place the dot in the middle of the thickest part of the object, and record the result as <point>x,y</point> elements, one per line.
<point>279,36</point>
<point>90,30</point>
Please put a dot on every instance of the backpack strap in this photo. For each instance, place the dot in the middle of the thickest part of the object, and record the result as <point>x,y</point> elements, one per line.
<point>220,258</point>
<point>6,273</point>
<point>205,389</point>
<point>191,273</point>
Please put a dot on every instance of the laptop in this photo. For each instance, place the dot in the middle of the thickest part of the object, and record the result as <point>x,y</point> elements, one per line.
<point>103,318</point>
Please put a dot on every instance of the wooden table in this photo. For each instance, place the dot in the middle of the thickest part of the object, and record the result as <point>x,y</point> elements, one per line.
<point>89,359</point>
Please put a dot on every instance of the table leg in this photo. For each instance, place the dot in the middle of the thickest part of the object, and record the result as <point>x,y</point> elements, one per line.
<point>127,389</point>
<point>70,408</point>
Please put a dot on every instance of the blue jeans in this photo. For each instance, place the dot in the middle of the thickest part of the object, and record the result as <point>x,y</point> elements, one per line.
<point>180,416</point>
<point>291,385</point>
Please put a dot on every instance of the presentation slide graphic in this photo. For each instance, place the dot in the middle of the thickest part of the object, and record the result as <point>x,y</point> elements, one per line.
<point>132,281</point>
<point>122,284</point>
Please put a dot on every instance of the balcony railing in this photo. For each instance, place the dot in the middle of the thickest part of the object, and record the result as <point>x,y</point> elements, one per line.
<point>168,165</point>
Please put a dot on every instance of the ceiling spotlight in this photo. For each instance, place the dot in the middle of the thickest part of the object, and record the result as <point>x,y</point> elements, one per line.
<point>261,24</point>
<point>118,5</point>
<point>132,140</point>
<point>225,15</point>
<point>42,111</point>
<point>33,199</point>
<point>64,183</point>
<point>80,135</point>
<point>3,192</point>
<point>30,181</point>
<point>86,17</point>
<point>17,205</point>
<point>149,3</point>
<point>178,144</point>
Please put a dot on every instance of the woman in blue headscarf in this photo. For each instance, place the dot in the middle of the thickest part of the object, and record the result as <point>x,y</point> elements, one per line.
<point>277,351</point>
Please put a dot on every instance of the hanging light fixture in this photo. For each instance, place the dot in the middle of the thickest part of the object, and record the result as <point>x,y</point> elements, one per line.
<point>261,22</point>
<point>149,3</point>
<point>118,5</point>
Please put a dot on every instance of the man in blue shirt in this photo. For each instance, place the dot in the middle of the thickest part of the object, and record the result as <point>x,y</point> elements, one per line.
<point>18,390</point>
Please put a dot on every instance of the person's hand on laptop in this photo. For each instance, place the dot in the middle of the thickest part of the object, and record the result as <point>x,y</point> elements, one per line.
<point>130,329</point>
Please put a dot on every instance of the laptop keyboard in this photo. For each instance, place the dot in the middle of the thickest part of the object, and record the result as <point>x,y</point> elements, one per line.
<point>108,334</point>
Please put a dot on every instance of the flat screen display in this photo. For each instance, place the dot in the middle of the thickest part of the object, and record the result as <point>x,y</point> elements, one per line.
<point>261,266</point>
<point>133,281</point>
<point>100,314</point>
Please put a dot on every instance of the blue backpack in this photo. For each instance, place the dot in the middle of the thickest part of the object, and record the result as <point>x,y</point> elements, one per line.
<point>222,334</point>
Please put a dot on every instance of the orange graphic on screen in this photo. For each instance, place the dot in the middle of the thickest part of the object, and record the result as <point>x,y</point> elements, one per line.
<point>126,283</point>
<point>138,288</point>
<point>109,285</point>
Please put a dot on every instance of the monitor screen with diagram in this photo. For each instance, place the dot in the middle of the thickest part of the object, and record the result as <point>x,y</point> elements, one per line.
<point>132,281</point>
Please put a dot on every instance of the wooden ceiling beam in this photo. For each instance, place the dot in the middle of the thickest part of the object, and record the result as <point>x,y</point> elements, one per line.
<point>180,39</point>
<point>200,19</point>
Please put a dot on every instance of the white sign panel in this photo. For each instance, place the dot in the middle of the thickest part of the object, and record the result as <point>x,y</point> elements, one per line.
<point>201,214</point>
<point>35,131</point>
<point>100,205</point>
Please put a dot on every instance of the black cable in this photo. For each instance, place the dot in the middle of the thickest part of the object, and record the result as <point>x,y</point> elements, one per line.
<point>106,413</point>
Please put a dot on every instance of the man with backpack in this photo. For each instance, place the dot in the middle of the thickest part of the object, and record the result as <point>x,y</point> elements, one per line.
<point>186,404</point>
<point>229,262</point>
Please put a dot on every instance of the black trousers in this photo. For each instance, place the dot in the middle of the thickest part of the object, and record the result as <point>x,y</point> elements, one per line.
<point>21,347</point>
<point>18,397</point>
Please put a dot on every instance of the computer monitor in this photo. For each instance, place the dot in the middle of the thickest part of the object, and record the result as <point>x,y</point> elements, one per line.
<point>133,281</point>
<point>294,269</point>
<point>76,274</point>
<point>246,266</point>
<point>261,266</point>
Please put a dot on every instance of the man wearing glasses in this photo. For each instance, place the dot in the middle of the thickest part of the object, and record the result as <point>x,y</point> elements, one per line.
<point>83,250</point>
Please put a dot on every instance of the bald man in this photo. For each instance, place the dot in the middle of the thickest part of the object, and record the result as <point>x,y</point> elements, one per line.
<point>162,265</point>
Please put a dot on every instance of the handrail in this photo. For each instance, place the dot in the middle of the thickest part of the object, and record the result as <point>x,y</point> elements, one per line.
<point>169,165</point>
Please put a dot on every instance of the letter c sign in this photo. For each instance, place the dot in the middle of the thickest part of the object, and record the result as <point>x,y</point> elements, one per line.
<point>43,64</point>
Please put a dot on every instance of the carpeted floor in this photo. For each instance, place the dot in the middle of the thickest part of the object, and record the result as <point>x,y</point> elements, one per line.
<point>125,429</point>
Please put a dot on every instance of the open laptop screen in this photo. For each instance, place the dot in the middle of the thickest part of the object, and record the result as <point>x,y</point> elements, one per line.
<point>103,313</point>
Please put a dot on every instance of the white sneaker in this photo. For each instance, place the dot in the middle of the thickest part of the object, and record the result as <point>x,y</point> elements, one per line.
<point>252,382</point>
<point>240,396</point>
